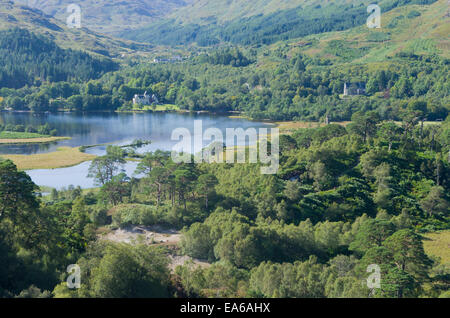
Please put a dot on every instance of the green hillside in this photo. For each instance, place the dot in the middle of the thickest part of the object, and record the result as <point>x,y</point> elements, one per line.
<point>238,23</point>
<point>203,11</point>
<point>303,78</point>
<point>26,58</point>
<point>438,245</point>
<point>363,45</point>
<point>13,15</point>
<point>297,79</point>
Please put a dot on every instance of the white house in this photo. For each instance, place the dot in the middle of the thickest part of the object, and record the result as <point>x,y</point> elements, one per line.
<point>354,89</point>
<point>145,99</point>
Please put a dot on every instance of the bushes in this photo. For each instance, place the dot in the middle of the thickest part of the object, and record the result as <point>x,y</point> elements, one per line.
<point>197,242</point>
<point>100,217</point>
<point>233,57</point>
<point>41,130</point>
<point>120,271</point>
<point>221,279</point>
<point>297,280</point>
<point>134,214</point>
<point>413,14</point>
<point>140,214</point>
<point>229,236</point>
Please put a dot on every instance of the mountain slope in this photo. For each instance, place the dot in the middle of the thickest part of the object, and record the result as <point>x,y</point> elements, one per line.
<point>18,16</point>
<point>25,57</point>
<point>109,16</point>
<point>431,25</point>
<point>205,11</point>
<point>240,23</point>
<point>303,78</point>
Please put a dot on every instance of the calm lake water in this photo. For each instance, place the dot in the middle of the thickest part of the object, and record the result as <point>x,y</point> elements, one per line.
<point>111,128</point>
<point>76,176</point>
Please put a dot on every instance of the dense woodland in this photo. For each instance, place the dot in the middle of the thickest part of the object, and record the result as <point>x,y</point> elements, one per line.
<point>297,88</point>
<point>344,198</point>
<point>27,59</point>
<point>226,80</point>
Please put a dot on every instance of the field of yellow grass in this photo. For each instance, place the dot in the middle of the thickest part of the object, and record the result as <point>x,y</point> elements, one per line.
<point>238,117</point>
<point>438,244</point>
<point>287,127</point>
<point>290,126</point>
<point>31,140</point>
<point>63,157</point>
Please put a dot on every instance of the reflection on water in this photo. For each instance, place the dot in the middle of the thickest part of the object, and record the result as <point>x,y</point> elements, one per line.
<point>121,129</point>
<point>76,176</point>
<point>102,128</point>
<point>18,149</point>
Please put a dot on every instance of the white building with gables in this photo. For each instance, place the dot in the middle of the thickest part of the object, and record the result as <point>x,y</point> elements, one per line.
<point>145,99</point>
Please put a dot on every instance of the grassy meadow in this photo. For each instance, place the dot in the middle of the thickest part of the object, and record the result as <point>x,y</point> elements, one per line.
<point>63,157</point>
<point>14,137</point>
<point>438,245</point>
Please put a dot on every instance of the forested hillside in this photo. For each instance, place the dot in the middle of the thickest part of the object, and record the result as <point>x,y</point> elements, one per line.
<point>302,79</point>
<point>28,59</point>
<point>312,17</point>
<point>297,88</point>
<point>13,15</point>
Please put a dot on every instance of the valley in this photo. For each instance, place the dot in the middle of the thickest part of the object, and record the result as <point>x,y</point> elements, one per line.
<point>94,121</point>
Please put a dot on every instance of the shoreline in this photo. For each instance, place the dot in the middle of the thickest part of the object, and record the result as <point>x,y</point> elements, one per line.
<point>232,114</point>
<point>117,111</point>
<point>68,157</point>
<point>38,140</point>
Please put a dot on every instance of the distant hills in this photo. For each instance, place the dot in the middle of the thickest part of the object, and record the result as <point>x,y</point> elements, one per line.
<point>110,16</point>
<point>19,16</point>
<point>261,22</point>
<point>201,22</point>
<point>332,30</point>
<point>220,11</point>
<point>290,63</point>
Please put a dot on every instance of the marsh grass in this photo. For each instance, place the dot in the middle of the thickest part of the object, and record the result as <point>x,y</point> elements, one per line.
<point>63,157</point>
<point>15,137</point>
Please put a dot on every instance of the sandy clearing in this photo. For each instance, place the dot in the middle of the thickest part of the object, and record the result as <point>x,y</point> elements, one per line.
<point>151,235</point>
<point>179,260</point>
